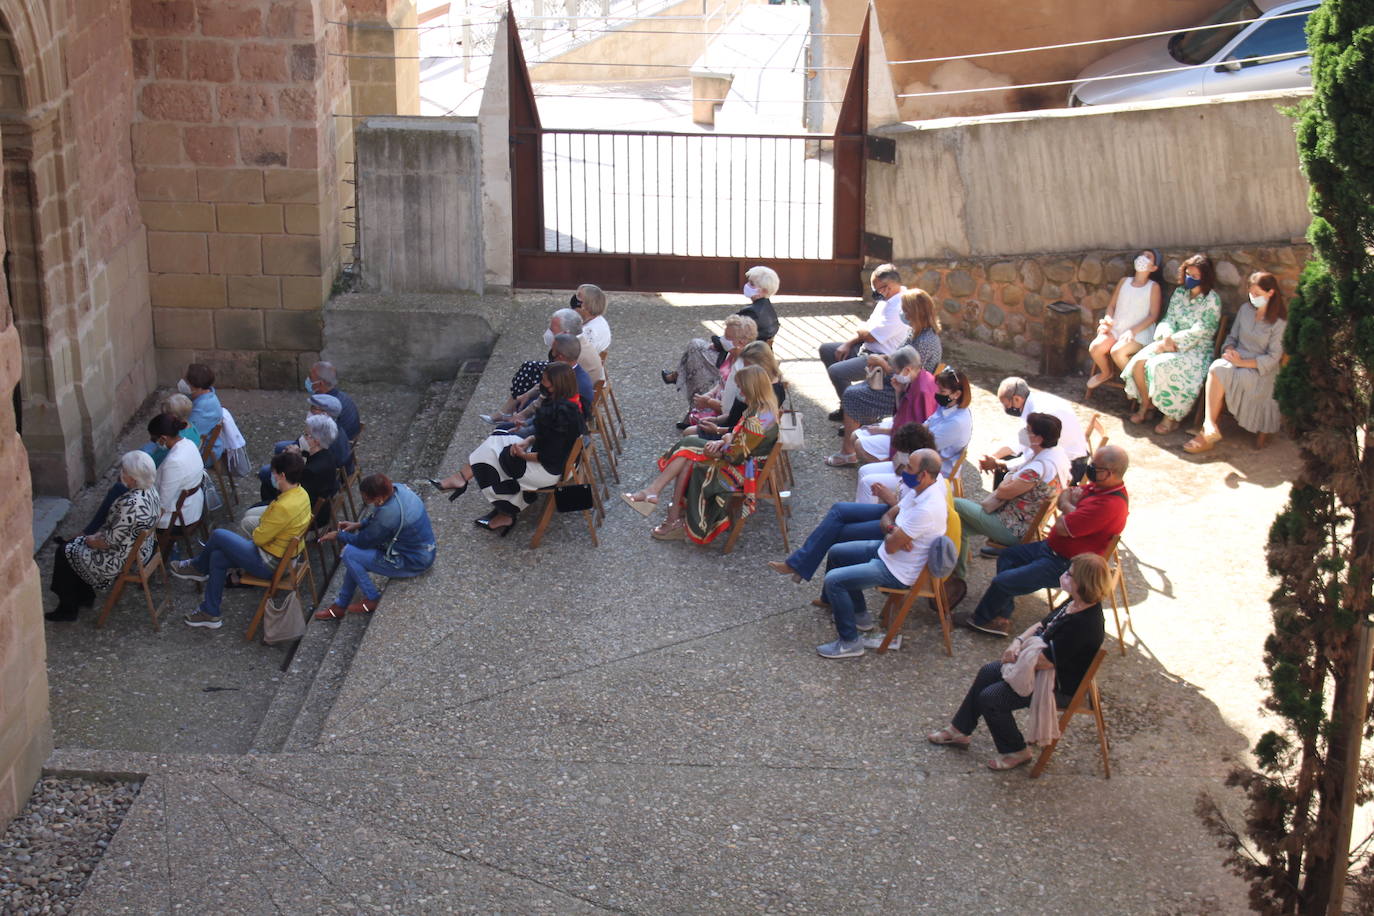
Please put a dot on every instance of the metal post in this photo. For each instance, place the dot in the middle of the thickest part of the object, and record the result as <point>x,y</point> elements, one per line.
<point>815,60</point>
<point>539,31</point>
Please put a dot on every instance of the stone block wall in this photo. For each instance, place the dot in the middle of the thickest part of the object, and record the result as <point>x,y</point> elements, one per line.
<point>234,144</point>
<point>1001,301</point>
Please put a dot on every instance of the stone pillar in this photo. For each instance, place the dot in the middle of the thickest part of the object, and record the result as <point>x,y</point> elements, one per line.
<point>235,146</point>
<point>385,71</point>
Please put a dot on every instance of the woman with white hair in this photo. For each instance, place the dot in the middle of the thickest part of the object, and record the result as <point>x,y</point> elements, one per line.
<point>92,561</point>
<point>696,370</point>
<point>589,302</point>
<point>321,474</point>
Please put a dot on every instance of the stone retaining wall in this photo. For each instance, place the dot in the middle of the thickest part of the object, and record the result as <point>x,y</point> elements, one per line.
<point>1001,301</point>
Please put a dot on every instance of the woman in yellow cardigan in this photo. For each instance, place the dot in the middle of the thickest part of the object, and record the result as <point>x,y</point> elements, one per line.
<point>285,520</point>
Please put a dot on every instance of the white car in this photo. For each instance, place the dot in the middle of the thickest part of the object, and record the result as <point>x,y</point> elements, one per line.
<point>1269,54</point>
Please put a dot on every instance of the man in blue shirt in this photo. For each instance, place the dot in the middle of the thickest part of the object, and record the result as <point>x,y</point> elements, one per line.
<point>324,379</point>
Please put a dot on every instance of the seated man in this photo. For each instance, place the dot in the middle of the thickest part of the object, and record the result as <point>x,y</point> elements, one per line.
<point>324,379</point>
<point>285,520</point>
<point>895,561</point>
<point>1090,516</point>
<point>1018,400</point>
<point>394,539</point>
<point>883,332</point>
<point>325,405</point>
<point>1008,511</point>
<point>198,384</point>
<point>565,349</point>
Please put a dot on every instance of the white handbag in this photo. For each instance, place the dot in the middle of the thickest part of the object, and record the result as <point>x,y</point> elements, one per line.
<point>791,436</point>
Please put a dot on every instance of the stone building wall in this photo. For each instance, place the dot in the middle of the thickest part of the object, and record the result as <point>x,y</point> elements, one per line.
<point>1001,301</point>
<point>234,143</point>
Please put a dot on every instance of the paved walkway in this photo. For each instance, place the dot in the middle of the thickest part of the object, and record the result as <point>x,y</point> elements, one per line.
<point>645,727</point>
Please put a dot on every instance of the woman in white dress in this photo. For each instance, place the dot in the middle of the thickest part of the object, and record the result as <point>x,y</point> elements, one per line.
<point>1129,323</point>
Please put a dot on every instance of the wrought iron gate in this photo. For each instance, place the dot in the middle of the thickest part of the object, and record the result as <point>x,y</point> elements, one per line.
<point>687,212</point>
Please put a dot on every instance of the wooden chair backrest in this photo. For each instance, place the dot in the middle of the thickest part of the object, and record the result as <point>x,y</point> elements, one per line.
<point>1095,426</point>
<point>207,445</point>
<point>287,567</point>
<point>178,519</point>
<point>1034,531</point>
<point>570,466</point>
<point>134,570</point>
<point>1086,685</point>
<point>958,468</point>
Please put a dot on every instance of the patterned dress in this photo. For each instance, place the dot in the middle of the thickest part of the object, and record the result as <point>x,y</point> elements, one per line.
<point>1174,379</point>
<point>715,481</point>
<point>132,514</point>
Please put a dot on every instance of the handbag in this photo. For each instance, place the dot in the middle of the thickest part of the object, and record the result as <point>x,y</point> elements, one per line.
<point>283,620</point>
<point>575,497</point>
<point>876,378</point>
<point>791,436</point>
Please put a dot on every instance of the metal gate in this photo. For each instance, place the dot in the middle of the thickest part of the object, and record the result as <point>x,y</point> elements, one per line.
<point>659,211</point>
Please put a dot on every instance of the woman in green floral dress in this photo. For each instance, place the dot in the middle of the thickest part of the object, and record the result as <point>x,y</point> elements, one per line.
<point>1169,373</point>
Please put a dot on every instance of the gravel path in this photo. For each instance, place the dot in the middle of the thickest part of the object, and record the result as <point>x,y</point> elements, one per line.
<point>55,843</point>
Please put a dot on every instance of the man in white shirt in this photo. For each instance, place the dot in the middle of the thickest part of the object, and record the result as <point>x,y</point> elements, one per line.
<point>1018,400</point>
<point>894,562</point>
<point>884,331</point>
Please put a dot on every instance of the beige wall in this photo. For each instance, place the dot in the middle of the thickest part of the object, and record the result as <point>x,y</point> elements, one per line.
<point>973,26</point>
<point>1091,179</point>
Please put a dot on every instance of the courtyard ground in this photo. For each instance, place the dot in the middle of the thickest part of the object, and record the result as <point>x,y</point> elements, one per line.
<point>645,726</point>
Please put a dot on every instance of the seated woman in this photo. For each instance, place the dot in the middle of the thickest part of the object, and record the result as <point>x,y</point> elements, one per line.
<point>740,331</point>
<point>92,561</point>
<point>589,302</point>
<point>1129,323</point>
<point>1243,378</point>
<point>179,405</point>
<point>321,474</point>
<point>918,309</point>
<point>1005,514</point>
<point>198,384</point>
<point>284,521</point>
<point>908,395</point>
<point>952,421</point>
<point>510,469</point>
<point>524,385</point>
<point>394,538</point>
<point>1168,374</point>
<point>696,369</point>
<point>706,476</point>
<point>757,353</point>
<point>1065,643</point>
<point>181,470</point>
<point>705,361</point>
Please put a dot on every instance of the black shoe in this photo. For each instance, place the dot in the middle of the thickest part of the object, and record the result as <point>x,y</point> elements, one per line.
<point>669,378</point>
<point>454,492</point>
<point>62,615</point>
<point>485,522</point>
<point>836,415</point>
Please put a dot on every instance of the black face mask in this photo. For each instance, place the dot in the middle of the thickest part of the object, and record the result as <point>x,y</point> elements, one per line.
<point>943,400</point>
<point>877,296</point>
<point>575,302</point>
<point>1013,411</point>
<point>1090,472</point>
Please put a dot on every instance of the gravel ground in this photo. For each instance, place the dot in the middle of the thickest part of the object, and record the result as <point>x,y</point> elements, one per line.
<point>54,844</point>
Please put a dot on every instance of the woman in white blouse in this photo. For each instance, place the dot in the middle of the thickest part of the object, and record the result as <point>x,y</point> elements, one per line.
<point>181,470</point>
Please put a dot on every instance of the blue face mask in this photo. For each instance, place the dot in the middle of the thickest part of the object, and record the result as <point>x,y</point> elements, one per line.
<point>1190,282</point>
<point>309,385</point>
<point>911,480</point>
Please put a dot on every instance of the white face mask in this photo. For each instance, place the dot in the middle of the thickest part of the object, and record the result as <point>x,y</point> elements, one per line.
<point>1143,263</point>
<point>900,460</point>
<point>184,387</point>
<point>900,380</point>
<point>751,290</point>
<point>1259,302</point>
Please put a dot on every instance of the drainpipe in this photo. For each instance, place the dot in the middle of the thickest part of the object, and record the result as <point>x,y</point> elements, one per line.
<point>815,57</point>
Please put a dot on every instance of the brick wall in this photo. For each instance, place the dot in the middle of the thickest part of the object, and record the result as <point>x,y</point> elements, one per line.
<point>234,146</point>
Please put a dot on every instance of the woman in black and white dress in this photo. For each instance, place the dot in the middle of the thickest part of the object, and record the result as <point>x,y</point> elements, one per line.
<point>509,468</point>
<point>92,561</point>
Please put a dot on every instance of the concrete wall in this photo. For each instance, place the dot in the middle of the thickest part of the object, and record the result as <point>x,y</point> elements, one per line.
<point>1092,179</point>
<point>420,204</point>
<point>974,26</point>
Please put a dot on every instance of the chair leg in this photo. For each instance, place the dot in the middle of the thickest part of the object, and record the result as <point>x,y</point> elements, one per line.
<point>736,526</point>
<point>608,446</point>
<point>544,517</point>
<point>782,517</point>
<point>1101,730</point>
<point>310,574</point>
<point>942,610</point>
<point>1048,750</point>
<point>585,476</point>
<point>110,601</point>
<point>153,608</point>
<point>257,615</point>
<point>894,626</point>
<point>615,406</point>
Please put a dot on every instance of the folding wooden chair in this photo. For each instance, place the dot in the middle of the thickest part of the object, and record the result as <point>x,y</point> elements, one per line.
<point>899,603</point>
<point>575,471</point>
<point>142,573</point>
<point>1118,585</point>
<point>612,403</point>
<point>1086,701</point>
<point>335,504</point>
<point>292,570</point>
<point>1095,428</point>
<point>768,473</point>
<point>1040,526</point>
<point>347,481</point>
<point>956,474</point>
<point>228,487</point>
<point>177,527</point>
<point>599,424</point>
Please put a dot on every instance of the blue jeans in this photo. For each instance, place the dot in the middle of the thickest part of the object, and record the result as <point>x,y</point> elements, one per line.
<point>225,551</point>
<point>844,522</point>
<point>359,561</point>
<point>854,567</point>
<point>1021,570</point>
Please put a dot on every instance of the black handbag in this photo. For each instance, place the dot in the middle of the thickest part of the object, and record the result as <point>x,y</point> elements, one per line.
<point>576,497</point>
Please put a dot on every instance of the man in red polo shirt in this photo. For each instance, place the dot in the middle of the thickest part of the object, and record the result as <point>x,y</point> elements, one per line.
<point>1090,516</point>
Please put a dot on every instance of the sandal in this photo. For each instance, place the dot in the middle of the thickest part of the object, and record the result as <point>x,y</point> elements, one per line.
<point>641,502</point>
<point>1097,379</point>
<point>1202,442</point>
<point>841,460</point>
<point>1166,426</point>
<point>333,612</point>
<point>1009,761</point>
<point>1140,416</point>
<point>670,531</point>
<point>948,737</point>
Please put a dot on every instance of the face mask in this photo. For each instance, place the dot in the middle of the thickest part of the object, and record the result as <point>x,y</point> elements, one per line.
<point>1190,282</point>
<point>877,296</point>
<point>1259,302</point>
<point>943,400</point>
<point>184,387</point>
<point>309,385</point>
<point>751,290</point>
<point>1090,473</point>
<point>1143,263</point>
<point>574,302</point>
<point>911,480</point>
<point>1013,411</point>
<point>900,380</point>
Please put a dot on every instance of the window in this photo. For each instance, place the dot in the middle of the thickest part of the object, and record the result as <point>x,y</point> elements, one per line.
<point>1199,47</point>
<point>1275,40</point>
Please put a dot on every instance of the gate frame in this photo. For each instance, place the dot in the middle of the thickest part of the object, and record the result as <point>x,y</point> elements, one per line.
<point>534,267</point>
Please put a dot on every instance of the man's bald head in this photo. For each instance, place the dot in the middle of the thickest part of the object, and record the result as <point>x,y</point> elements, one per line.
<point>1110,460</point>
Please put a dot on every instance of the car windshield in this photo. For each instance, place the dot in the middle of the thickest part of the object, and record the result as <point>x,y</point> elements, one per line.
<point>1199,47</point>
